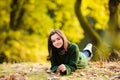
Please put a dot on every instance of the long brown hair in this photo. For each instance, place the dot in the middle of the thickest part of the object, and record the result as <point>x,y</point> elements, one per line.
<point>50,45</point>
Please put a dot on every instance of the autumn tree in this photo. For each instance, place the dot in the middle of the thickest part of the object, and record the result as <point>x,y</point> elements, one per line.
<point>103,47</point>
<point>25,25</point>
<point>114,28</point>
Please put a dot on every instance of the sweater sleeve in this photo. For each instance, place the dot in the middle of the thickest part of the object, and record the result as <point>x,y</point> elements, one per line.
<point>73,59</point>
<point>53,66</point>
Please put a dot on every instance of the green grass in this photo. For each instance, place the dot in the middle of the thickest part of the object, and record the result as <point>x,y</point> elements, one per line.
<point>37,71</point>
<point>29,71</point>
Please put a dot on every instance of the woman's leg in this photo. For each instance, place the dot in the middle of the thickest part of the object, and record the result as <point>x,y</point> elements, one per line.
<point>88,51</point>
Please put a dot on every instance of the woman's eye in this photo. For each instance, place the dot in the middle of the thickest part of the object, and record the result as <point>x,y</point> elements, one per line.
<point>58,38</point>
<point>53,41</point>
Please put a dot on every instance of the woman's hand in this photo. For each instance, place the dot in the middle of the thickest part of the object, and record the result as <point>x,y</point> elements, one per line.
<point>62,67</point>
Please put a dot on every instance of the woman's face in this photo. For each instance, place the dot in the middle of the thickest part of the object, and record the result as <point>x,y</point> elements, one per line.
<point>57,41</point>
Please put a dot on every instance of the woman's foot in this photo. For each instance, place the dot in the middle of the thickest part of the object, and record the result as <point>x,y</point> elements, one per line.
<point>89,49</point>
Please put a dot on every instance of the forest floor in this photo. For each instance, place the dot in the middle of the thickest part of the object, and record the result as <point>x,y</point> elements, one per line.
<point>40,71</point>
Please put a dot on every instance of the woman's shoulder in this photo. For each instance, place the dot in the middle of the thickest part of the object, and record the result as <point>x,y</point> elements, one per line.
<point>73,48</point>
<point>73,45</point>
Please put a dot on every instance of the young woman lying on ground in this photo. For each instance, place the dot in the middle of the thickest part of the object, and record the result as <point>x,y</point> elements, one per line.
<point>64,55</point>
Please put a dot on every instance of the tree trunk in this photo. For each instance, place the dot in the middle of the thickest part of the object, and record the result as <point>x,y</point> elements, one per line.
<point>16,13</point>
<point>114,28</point>
<point>95,38</point>
<point>101,47</point>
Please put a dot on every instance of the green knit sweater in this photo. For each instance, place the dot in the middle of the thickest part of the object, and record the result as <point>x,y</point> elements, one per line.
<point>72,60</point>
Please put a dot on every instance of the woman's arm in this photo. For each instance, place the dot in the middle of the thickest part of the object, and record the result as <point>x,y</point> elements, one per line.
<point>73,53</point>
<point>53,66</point>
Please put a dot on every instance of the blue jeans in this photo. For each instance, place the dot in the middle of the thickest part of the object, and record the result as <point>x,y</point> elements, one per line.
<point>86,53</point>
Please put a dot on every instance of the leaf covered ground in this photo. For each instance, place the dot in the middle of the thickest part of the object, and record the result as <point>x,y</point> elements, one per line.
<point>37,71</point>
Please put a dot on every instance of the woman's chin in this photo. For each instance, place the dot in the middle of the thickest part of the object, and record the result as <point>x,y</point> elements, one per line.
<point>58,47</point>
